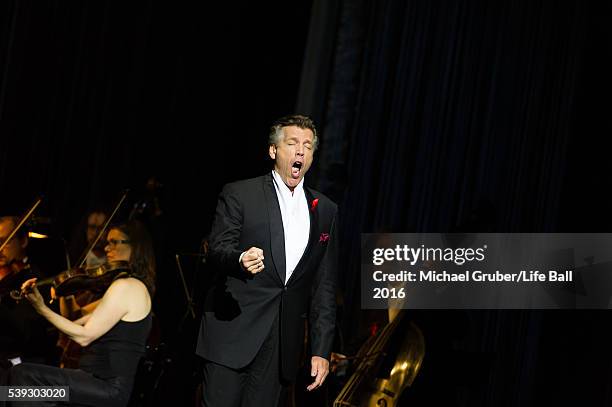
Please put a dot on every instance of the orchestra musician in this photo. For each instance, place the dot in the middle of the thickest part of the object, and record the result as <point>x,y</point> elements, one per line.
<point>84,234</point>
<point>23,332</point>
<point>113,336</point>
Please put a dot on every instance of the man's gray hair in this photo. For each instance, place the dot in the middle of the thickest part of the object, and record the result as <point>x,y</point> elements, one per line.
<point>303,122</point>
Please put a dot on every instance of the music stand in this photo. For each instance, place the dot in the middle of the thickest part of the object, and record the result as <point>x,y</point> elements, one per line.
<point>188,296</point>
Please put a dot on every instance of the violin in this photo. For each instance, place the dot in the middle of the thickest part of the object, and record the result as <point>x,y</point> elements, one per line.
<point>95,279</point>
<point>11,276</point>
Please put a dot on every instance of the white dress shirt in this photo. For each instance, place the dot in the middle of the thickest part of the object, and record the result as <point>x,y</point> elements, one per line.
<point>296,221</point>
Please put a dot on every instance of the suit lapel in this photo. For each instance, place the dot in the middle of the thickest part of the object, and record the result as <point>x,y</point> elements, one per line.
<point>277,233</point>
<point>312,239</point>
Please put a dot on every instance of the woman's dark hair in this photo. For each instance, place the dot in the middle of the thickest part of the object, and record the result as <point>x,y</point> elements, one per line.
<point>142,259</point>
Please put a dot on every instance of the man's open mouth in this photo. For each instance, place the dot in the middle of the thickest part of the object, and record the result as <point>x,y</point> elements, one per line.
<point>295,169</point>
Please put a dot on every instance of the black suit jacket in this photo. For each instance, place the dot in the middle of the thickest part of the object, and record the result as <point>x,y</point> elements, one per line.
<point>239,308</point>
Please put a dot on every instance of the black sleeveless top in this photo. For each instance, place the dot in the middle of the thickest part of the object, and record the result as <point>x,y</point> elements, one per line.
<point>117,352</point>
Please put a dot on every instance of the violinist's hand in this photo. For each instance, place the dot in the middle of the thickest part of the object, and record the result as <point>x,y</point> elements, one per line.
<point>319,370</point>
<point>29,289</point>
<point>252,260</point>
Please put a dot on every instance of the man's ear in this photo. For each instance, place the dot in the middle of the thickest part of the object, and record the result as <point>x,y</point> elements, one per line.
<point>272,151</point>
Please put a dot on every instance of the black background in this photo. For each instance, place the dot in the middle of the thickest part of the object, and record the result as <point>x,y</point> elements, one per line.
<point>441,116</point>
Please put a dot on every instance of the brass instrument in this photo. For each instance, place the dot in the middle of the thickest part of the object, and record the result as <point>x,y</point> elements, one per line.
<point>369,386</point>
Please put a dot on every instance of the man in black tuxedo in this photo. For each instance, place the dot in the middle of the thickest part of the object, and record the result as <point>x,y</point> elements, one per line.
<point>273,244</point>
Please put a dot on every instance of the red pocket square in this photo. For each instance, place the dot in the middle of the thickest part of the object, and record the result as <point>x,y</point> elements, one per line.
<point>314,204</point>
<point>324,237</point>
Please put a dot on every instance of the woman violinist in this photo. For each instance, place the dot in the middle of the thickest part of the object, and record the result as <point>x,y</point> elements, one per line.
<point>113,336</point>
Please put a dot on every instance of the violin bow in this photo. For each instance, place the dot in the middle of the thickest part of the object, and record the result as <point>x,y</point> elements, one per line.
<point>23,220</point>
<point>94,242</point>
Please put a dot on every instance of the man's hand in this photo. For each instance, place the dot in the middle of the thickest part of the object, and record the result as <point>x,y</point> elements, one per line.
<point>252,261</point>
<point>319,370</point>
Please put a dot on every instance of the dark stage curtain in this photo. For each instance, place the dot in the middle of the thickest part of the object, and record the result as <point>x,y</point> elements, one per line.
<point>97,96</point>
<point>472,116</point>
